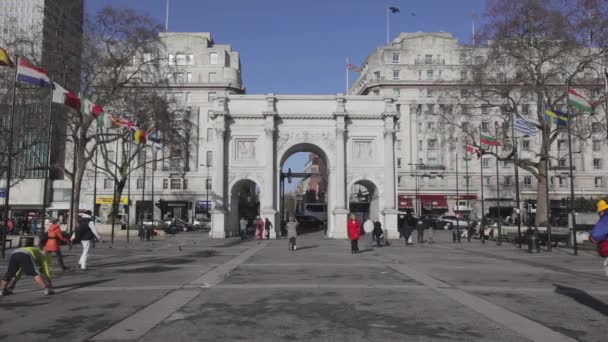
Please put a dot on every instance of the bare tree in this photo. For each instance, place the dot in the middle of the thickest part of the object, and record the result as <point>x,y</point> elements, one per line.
<point>532,49</point>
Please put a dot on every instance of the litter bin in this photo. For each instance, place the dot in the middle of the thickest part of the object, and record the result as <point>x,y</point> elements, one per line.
<point>26,241</point>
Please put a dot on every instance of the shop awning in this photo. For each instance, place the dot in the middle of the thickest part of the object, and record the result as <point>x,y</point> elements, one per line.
<point>434,201</point>
<point>405,203</point>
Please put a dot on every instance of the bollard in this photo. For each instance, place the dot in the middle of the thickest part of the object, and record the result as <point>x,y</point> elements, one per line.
<point>454,236</point>
<point>533,243</point>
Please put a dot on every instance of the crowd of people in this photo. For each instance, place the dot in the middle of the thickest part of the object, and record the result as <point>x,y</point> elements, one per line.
<point>35,261</point>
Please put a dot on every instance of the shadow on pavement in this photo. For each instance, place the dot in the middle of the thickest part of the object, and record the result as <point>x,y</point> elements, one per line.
<point>582,297</point>
<point>75,286</point>
<point>307,247</point>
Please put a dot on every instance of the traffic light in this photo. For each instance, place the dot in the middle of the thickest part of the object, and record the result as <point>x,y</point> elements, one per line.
<point>189,205</point>
<point>160,204</point>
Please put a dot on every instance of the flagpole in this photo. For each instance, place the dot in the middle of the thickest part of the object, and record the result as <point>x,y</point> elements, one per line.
<point>129,193</point>
<point>143,195</point>
<point>457,202</point>
<point>152,182</point>
<point>167,17</point>
<point>72,202</point>
<point>387,24</point>
<point>45,190</point>
<point>95,185</point>
<point>473,15</point>
<point>516,158</point>
<point>572,212</point>
<point>499,242</point>
<point>347,80</point>
<point>466,172</point>
<point>547,200</point>
<point>114,201</point>
<point>483,210</point>
<point>9,158</point>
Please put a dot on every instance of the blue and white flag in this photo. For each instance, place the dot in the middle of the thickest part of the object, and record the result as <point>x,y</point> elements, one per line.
<point>29,73</point>
<point>523,126</point>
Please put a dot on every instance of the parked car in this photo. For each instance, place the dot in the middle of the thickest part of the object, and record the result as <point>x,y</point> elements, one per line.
<point>176,224</point>
<point>436,222</point>
<point>462,223</point>
<point>201,224</point>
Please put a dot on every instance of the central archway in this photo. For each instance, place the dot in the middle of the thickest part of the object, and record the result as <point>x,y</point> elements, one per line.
<point>311,201</point>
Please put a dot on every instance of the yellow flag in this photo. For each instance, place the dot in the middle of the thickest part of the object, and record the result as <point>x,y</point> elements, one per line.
<point>5,59</point>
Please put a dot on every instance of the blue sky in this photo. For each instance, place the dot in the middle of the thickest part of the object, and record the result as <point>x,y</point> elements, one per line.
<point>301,46</point>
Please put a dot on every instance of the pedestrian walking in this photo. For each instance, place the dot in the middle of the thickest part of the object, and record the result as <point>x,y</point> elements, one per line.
<point>11,226</point>
<point>243,228</point>
<point>431,226</point>
<point>268,227</point>
<point>368,229</point>
<point>420,226</point>
<point>292,233</point>
<point>86,235</point>
<point>354,231</point>
<point>599,233</point>
<point>32,262</point>
<point>53,242</point>
<point>277,229</point>
<point>260,227</point>
<point>377,232</point>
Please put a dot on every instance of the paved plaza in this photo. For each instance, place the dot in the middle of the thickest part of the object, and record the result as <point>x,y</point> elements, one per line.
<point>192,288</point>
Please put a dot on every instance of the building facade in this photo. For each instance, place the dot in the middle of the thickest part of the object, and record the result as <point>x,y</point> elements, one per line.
<point>433,176</point>
<point>198,72</point>
<point>50,33</point>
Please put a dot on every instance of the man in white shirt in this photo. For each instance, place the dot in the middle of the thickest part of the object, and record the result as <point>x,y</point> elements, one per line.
<point>85,233</point>
<point>368,227</point>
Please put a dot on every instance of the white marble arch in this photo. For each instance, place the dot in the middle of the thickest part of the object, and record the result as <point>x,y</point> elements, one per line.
<point>255,134</point>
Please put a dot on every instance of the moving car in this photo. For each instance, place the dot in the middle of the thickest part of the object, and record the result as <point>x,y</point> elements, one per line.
<point>436,222</point>
<point>462,223</point>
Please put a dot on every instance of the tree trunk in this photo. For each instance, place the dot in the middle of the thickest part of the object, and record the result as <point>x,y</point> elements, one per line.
<point>116,200</point>
<point>541,198</point>
<point>77,187</point>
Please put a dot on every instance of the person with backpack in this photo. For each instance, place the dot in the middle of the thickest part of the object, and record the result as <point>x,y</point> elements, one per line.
<point>53,238</point>
<point>354,231</point>
<point>292,233</point>
<point>599,233</point>
<point>32,262</point>
<point>85,234</point>
<point>268,227</point>
<point>377,232</point>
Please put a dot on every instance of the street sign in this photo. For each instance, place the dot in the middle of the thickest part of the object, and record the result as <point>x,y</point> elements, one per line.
<point>107,200</point>
<point>2,192</point>
<point>203,204</point>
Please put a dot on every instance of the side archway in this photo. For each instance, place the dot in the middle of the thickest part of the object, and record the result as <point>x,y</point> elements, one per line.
<point>244,202</point>
<point>364,200</point>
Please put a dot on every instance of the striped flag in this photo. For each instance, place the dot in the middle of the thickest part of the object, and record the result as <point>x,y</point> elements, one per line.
<point>474,150</point>
<point>579,102</point>
<point>29,73</point>
<point>523,126</point>
<point>489,140</point>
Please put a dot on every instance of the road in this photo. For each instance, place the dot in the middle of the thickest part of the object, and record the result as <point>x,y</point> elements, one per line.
<point>192,288</point>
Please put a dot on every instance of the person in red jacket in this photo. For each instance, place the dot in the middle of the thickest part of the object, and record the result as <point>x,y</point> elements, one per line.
<point>354,231</point>
<point>53,244</point>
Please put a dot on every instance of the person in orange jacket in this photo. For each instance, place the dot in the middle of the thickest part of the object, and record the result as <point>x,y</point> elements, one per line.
<point>260,228</point>
<point>53,244</point>
<point>354,231</point>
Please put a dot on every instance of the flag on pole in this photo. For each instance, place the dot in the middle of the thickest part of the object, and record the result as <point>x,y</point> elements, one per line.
<point>353,67</point>
<point>91,108</point>
<point>579,102</point>
<point>523,126</point>
<point>65,97</point>
<point>394,9</point>
<point>561,119</point>
<point>104,120</point>
<point>29,73</point>
<point>140,136</point>
<point>153,138</point>
<point>489,140</point>
<point>474,150</point>
<point>5,59</point>
<point>606,80</point>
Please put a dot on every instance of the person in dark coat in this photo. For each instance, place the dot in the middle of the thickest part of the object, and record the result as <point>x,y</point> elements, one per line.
<point>420,227</point>
<point>268,227</point>
<point>378,233</point>
<point>407,226</point>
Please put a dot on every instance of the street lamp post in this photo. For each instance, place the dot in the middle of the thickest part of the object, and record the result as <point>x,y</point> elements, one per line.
<point>417,204</point>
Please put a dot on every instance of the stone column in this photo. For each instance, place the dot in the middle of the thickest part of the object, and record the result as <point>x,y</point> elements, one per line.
<point>340,212</point>
<point>218,214</point>
<point>390,191</point>
<point>268,204</point>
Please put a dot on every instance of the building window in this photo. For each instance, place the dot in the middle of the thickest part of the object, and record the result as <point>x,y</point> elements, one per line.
<point>165,184</point>
<point>525,109</point>
<point>213,58</point>
<point>209,134</point>
<point>501,77</point>
<point>395,74</point>
<point>561,145</point>
<point>176,184</point>
<point>462,58</point>
<point>212,76</point>
<point>507,180</point>
<point>599,182</point>
<point>429,74</point>
<point>562,182</point>
<point>399,180</point>
<point>208,184</point>
<point>597,163</point>
<point>527,181</point>
<point>395,58</point>
<point>396,92</point>
<point>463,75</point>
<point>189,77</point>
<point>485,163</point>
<point>171,59</point>
<point>485,126</point>
<point>108,183</point>
<point>419,75</point>
<point>399,162</point>
<point>185,184</point>
<point>429,126</point>
<point>431,144</point>
<point>487,180</point>
<point>429,92</point>
<point>209,158</point>
<point>141,158</point>
<point>210,96</point>
<point>562,162</point>
<point>376,92</point>
<point>428,59</point>
<point>597,145</point>
<point>484,110</point>
<point>181,59</point>
<point>525,144</point>
<point>430,108</point>
<point>140,183</point>
<point>377,75</point>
